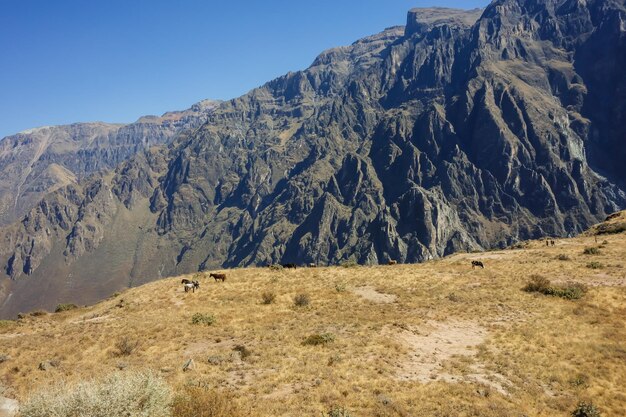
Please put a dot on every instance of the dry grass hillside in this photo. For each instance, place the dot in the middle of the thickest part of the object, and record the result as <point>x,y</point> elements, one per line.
<point>435,339</point>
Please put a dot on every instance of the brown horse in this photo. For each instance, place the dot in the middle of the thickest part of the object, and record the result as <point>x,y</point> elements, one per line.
<point>218,277</point>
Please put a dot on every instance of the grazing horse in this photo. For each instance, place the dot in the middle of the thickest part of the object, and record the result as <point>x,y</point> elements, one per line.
<point>218,277</point>
<point>392,262</point>
<point>193,286</point>
<point>292,266</point>
<point>477,263</point>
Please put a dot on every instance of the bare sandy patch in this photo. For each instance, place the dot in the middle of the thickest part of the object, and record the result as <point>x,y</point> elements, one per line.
<point>371,294</point>
<point>432,345</point>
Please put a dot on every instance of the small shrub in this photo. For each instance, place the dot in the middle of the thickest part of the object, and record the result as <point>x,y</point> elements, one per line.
<point>244,352</point>
<point>38,313</point>
<point>586,410</point>
<point>200,318</point>
<point>319,339</point>
<point>595,265</point>
<point>204,402</point>
<point>126,346</point>
<point>268,297</point>
<point>340,287</point>
<point>302,300</point>
<point>337,412</point>
<point>453,297</point>
<point>538,283</point>
<point>276,267</point>
<point>569,291</point>
<point>65,307</point>
<point>591,251</point>
<point>120,394</point>
<point>563,257</point>
<point>579,380</point>
<point>348,264</point>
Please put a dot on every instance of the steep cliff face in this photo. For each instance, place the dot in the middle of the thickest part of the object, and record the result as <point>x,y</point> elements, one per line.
<point>38,161</point>
<point>467,130</point>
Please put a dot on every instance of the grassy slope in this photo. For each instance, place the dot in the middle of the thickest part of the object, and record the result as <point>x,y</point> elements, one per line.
<point>454,341</point>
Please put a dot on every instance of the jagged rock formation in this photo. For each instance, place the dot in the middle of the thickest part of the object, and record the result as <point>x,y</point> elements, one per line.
<point>464,131</point>
<point>38,161</point>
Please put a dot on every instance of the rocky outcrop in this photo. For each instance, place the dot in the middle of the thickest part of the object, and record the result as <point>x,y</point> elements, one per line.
<point>462,132</point>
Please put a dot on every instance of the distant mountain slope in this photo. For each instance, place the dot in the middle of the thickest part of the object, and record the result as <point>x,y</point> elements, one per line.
<point>38,161</point>
<point>459,133</point>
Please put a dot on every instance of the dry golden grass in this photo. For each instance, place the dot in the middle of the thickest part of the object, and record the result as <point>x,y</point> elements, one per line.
<point>434,339</point>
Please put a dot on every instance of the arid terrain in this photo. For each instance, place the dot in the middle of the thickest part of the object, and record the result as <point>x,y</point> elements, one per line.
<point>431,339</point>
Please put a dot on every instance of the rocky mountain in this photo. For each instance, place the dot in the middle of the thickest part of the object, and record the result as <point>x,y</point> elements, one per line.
<point>38,161</point>
<point>462,130</point>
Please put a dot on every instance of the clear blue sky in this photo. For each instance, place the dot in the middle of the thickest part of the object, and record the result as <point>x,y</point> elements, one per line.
<point>64,61</point>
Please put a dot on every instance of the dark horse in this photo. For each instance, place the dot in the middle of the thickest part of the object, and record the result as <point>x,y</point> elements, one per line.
<point>477,263</point>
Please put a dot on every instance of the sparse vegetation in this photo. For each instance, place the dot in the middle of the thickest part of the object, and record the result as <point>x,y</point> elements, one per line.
<point>302,300</point>
<point>119,395</point>
<point>204,402</point>
<point>585,409</point>
<point>595,265</point>
<point>65,307</point>
<point>281,360</point>
<point>591,251</point>
<point>319,339</point>
<point>268,297</point>
<point>563,257</point>
<point>38,313</point>
<point>203,318</point>
<point>276,267</point>
<point>125,346</point>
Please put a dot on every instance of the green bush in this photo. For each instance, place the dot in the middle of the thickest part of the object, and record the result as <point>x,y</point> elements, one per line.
<point>569,291</point>
<point>65,307</point>
<point>268,297</point>
<point>586,410</point>
<point>591,251</point>
<point>319,339</point>
<point>595,265</point>
<point>340,287</point>
<point>118,395</point>
<point>200,318</point>
<point>302,300</point>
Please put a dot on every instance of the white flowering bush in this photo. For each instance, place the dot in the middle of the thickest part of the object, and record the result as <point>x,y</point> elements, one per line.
<point>128,394</point>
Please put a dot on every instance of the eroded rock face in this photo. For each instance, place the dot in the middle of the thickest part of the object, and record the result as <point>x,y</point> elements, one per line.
<point>463,132</point>
<point>38,161</point>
